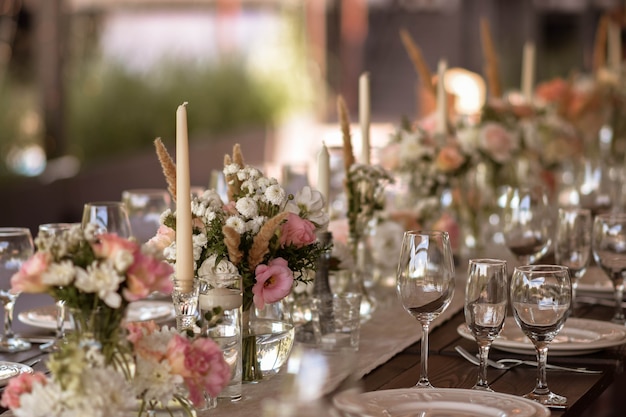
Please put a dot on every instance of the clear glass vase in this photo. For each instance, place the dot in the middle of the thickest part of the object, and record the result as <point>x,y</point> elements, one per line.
<point>267,339</point>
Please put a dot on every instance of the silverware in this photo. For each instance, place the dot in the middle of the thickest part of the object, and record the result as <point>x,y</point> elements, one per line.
<point>511,363</point>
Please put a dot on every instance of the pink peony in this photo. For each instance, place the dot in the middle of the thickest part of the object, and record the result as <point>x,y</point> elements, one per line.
<point>297,231</point>
<point>164,237</point>
<point>146,276</point>
<point>29,277</point>
<point>497,142</point>
<point>449,159</point>
<point>273,282</point>
<point>109,245</point>
<point>19,385</point>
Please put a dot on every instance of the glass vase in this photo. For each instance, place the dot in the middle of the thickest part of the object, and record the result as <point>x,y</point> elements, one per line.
<point>361,278</point>
<point>267,339</point>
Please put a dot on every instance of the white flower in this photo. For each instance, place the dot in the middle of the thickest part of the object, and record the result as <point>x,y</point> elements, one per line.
<point>43,401</point>
<point>231,169</point>
<point>102,279</point>
<point>198,208</point>
<point>263,183</point>
<point>236,223</point>
<point>209,216</point>
<point>308,203</point>
<point>59,274</point>
<point>248,187</point>
<point>169,253</point>
<point>212,199</point>
<point>167,213</point>
<point>386,243</point>
<point>247,207</point>
<point>155,381</point>
<point>275,194</point>
<point>123,260</point>
<point>199,243</point>
<point>209,267</point>
<point>254,225</point>
<point>91,232</point>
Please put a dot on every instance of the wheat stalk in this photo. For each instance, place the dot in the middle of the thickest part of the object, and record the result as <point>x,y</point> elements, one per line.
<point>415,54</point>
<point>599,46</point>
<point>168,166</point>
<point>491,59</point>
<point>261,242</point>
<point>344,119</point>
<point>232,239</point>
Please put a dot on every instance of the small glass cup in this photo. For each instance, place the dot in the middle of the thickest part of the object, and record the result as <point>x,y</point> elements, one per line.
<point>108,216</point>
<point>185,299</point>
<point>337,319</point>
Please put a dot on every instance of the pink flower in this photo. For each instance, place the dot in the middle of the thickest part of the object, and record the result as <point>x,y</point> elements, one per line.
<point>297,231</point>
<point>29,277</point>
<point>273,282</point>
<point>497,142</point>
<point>164,237</point>
<point>447,223</point>
<point>147,275</point>
<point>137,330</point>
<point>449,159</point>
<point>109,245</point>
<point>21,384</point>
<point>390,156</point>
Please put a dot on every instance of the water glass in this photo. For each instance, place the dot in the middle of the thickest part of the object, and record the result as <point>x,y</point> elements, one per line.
<point>224,291</point>
<point>337,320</point>
<point>108,216</point>
<point>185,299</point>
<point>485,307</point>
<point>144,207</point>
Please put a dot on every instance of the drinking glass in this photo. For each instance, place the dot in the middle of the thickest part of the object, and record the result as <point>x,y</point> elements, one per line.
<point>108,216</point>
<point>609,252</point>
<point>144,207</point>
<point>485,308</point>
<point>425,282</point>
<point>527,223</point>
<point>16,246</point>
<point>573,244</point>
<point>540,297</point>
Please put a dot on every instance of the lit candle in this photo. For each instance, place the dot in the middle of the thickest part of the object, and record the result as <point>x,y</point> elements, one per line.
<point>365,116</point>
<point>441,127</point>
<point>184,243</point>
<point>614,41</point>
<point>528,71</point>
<point>323,174</point>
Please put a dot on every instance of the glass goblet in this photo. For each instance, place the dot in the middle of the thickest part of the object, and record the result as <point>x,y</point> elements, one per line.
<point>540,297</point>
<point>16,246</point>
<point>527,223</point>
<point>425,283</point>
<point>108,216</point>
<point>485,308</point>
<point>145,207</point>
<point>573,244</point>
<point>609,251</point>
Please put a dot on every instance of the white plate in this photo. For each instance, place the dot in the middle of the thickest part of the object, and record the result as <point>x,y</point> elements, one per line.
<point>9,370</point>
<point>577,337</point>
<point>449,402</point>
<point>45,317</point>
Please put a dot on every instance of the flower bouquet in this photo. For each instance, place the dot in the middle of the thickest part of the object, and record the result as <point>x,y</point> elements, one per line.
<point>261,233</point>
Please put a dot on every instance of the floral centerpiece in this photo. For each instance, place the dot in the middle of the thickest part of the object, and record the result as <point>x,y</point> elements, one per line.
<point>262,233</point>
<point>104,369</point>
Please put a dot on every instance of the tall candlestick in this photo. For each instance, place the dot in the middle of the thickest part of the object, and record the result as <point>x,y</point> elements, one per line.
<point>323,174</point>
<point>364,116</point>
<point>441,124</point>
<point>184,243</point>
<point>614,40</point>
<point>528,71</point>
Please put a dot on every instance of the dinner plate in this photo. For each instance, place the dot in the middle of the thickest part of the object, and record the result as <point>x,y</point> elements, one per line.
<point>437,402</point>
<point>45,317</point>
<point>9,370</point>
<point>577,337</point>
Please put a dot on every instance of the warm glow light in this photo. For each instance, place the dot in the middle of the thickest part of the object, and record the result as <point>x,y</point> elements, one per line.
<point>468,89</point>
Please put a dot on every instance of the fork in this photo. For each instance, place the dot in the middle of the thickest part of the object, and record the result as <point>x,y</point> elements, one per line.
<point>512,363</point>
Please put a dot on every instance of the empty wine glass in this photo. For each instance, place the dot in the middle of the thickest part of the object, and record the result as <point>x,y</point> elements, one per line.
<point>16,246</point>
<point>609,252</point>
<point>425,282</point>
<point>540,297</point>
<point>573,244</point>
<point>144,207</point>
<point>527,223</point>
<point>485,308</point>
<point>108,216</point>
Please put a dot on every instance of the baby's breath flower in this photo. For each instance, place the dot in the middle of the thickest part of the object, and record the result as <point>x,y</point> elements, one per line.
<point>231,169</point>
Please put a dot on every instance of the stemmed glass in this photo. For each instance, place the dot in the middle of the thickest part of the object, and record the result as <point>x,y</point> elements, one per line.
<point>573,244</point>
<point>144,207</point>
<point>108,216</point>
<point>485,308</point>
<point>527,223</point>
<point>541,296</point>
<point>16,246</point>
<point>609,251</point>
<point>425,282</point>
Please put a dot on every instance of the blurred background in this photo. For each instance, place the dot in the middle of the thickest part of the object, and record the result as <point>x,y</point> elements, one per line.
<point>87,85</point>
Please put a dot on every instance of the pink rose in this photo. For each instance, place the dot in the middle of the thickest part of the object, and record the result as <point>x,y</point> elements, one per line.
<point>297,231</point>
<point>449,159</point>
<point>29,277</point>
<point>164,237</point>
<point>147,275</point>
<point>109,245</point>
<point>497,142</point>
<point>21,384</point>
<point>273,282</point>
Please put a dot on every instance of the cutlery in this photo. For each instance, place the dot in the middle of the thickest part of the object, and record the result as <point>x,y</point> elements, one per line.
<point>511,363</point>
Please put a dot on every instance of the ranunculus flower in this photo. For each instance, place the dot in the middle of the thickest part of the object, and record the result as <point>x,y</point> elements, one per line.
<point>498,142</point>
<point>110,245</point>
<point>449,159</point>
<point>297,231</point>
<point>146,276</point>
<point>273,282</point>
<point>29,278</point>
<point>21,384</point>
<point>164,237</point>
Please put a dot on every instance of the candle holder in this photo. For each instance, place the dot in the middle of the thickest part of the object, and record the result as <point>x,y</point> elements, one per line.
<point>185,298</point>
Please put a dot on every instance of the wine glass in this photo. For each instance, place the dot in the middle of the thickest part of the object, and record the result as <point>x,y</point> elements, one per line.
<point>527,223</point>
<point>108,216</point>
<point>16,246</point>
<point>573,244</point>
<point>425,282</point>
<point>540,297</point>
<point>485,308</point>
<point>609,252</point>
<point>144,207</point>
